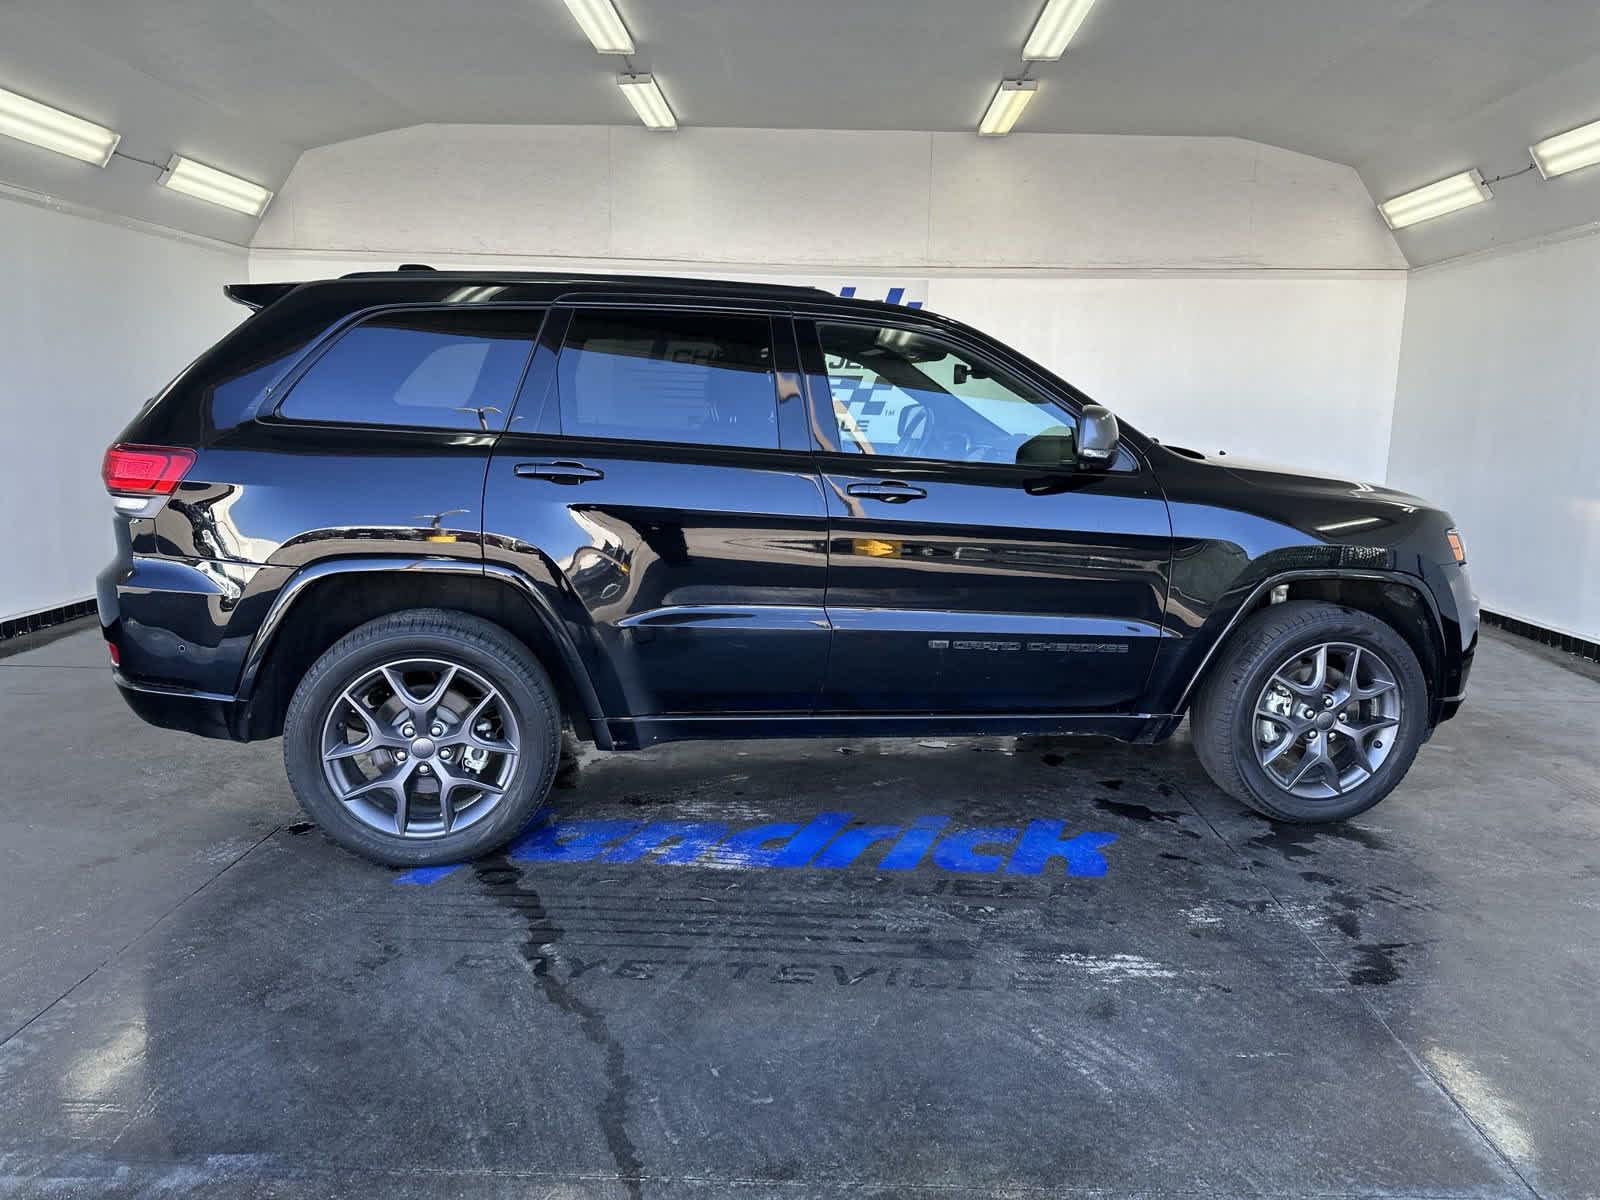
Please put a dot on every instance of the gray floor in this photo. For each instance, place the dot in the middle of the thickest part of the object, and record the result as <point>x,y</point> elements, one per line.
<point>201,996</point>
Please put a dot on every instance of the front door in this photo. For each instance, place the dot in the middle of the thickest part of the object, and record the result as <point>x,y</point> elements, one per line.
<point>647,487</point>
<point>960,579</point>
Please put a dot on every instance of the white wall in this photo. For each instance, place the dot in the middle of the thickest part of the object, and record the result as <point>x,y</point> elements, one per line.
<point>1497,417</point>
<point>829,198</point>
<point>1216,292</point>
<point>1294,370</point>
<point>94,318</point>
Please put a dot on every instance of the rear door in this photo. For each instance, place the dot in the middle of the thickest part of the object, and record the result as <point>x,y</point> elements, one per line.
<point>961,581</point>
<point>649,486</point>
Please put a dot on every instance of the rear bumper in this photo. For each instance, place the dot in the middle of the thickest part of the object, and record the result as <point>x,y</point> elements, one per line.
<point>180,629</point>
<point>204,713</point>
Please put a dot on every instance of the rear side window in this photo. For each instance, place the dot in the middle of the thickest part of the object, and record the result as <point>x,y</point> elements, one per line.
<point>697,378</point>
<point>439,370</point>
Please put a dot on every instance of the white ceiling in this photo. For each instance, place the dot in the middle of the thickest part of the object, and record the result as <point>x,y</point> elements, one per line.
<point>1404,90</point>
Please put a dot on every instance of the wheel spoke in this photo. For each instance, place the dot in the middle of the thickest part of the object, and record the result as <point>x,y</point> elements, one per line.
<point>1320,678</point>
<point>1295,686</point>
<point>1278,749</point>
<point>1362,733</point>
<point>1381,688</point>
<point>1310,760</point>
<point>451,784</point>
<point>402,804</point>
<point>428,703</point>
<point>392,781</point>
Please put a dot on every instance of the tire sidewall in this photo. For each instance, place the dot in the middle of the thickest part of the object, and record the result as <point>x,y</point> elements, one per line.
<point>1369,635</point>
<point>338,669</point>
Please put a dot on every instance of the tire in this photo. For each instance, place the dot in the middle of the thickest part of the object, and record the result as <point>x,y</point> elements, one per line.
<point>499,745</point>
<point>1231,738</point>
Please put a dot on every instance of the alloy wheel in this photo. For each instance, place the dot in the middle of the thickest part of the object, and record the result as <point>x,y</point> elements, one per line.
<point>1326,720</point>
<point>420,747</point>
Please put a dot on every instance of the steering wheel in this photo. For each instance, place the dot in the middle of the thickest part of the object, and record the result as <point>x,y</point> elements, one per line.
<point>916,431</point>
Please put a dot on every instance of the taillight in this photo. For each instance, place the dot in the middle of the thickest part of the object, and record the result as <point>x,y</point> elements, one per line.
<point>144,470</point>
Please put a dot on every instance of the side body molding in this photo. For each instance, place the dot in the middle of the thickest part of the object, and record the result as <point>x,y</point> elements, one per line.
<point>295,588</point>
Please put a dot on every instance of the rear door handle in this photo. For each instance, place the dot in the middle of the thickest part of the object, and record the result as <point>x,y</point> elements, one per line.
<point>559,471</point>
<point>891,491</point>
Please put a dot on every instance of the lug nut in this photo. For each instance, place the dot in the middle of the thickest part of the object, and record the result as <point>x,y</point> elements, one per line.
<point>437,729</point>
<point>445,755</point>
<point>1327,702</point>
<point>424,769</point>
<point>407,730</point>
<point>400,754</point>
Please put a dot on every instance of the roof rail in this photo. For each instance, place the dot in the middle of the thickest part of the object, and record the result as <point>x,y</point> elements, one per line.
<point>403,267</point>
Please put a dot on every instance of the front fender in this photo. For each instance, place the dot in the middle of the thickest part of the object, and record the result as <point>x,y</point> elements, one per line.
<point>1184,663</point>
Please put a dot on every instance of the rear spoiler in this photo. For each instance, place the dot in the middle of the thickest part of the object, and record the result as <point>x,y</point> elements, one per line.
<point>257,295</point>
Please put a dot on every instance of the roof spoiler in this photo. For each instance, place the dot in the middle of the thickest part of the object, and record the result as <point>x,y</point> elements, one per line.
<point>257,295</point>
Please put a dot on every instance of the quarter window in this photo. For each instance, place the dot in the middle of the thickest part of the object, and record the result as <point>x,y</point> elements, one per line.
<point>907,395</point>
<point>441,370</point>
<point>699,378</point>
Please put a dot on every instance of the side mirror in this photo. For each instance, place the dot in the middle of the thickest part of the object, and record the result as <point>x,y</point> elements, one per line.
<point>1098,437</point>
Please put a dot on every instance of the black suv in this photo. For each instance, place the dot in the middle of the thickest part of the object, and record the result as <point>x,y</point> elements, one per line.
<point>417,521</point>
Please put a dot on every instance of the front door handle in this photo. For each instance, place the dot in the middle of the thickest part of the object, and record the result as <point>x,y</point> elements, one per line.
<point>559,471</point>
<point>891,491</point>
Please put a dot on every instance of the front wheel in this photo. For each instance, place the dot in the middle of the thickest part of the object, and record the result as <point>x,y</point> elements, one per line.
<point>423,737</point>
<point>1314,713</point>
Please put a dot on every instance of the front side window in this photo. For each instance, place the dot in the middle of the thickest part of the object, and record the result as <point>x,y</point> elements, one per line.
<point>440,370</point>
<point>907,395</point>
<point>690,377</point>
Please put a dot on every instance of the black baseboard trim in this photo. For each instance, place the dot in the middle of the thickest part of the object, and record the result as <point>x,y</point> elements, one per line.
<point>1581,647</point>
<point>13,627</point>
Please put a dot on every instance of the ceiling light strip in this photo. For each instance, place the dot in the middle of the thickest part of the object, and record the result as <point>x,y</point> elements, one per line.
<point>1057,25</point>
<point>645,95</point>
<point>1435,200</point>
<point>1569,151</point>
<point>602,25</point>
<point>1010,98</point>
<point>215,187</point>
<point>30,121</point>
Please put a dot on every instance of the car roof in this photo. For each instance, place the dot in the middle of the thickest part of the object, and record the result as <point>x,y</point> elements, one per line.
<point>419,282</point>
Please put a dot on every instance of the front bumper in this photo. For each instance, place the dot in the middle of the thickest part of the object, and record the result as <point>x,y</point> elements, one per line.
<point>1458,614</point>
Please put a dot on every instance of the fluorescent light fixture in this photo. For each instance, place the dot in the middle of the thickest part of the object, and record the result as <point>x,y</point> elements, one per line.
<point>1010,99</point>
<point>1056,26</point>
<point>1568,151</point>
<point>29,121</point>
<point>1435,200</point>
<point>214,186</point>
<point>645,95</point>
<point>602,25</point>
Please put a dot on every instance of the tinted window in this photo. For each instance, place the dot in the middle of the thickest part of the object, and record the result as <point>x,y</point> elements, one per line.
<point>703,378</point>
<point>444,370</point>
<point>907,395</point>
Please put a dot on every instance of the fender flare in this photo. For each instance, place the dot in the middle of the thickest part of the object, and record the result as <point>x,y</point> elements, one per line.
<point>1247,606</point>
<point>293,590</point>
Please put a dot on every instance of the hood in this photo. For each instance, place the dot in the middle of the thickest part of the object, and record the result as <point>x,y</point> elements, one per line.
<point>1296,480</point>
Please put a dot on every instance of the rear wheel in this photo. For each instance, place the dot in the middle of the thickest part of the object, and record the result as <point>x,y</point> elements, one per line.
<point>423,737</point>
<point>1314,713</point>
